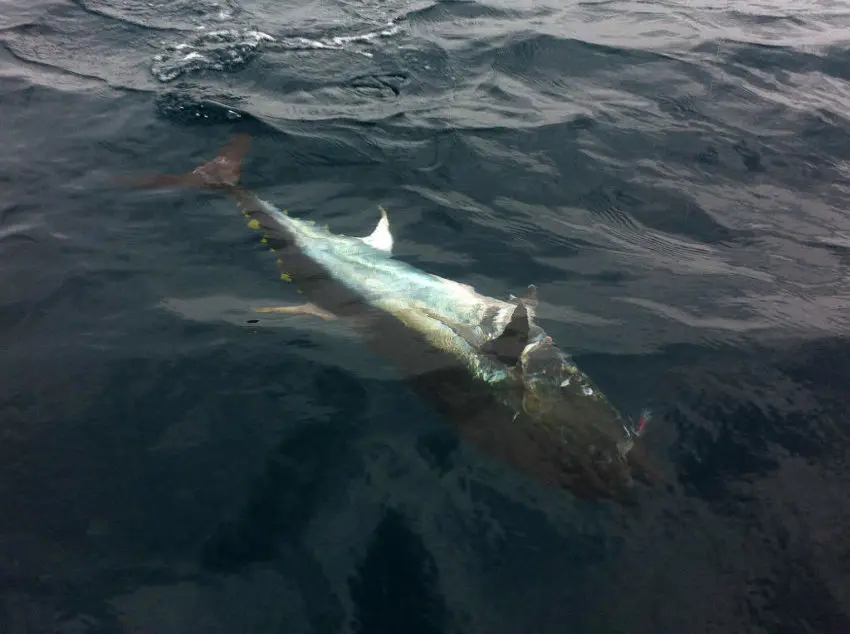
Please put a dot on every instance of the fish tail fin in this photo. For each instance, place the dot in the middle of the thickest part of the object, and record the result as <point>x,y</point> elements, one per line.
<point>222,172</point>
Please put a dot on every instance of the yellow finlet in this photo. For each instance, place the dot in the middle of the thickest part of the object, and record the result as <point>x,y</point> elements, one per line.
<point>285,277</point>
<point>254,223</point>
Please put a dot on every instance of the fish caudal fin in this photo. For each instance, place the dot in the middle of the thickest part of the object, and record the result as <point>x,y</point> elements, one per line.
<point>222,172</point>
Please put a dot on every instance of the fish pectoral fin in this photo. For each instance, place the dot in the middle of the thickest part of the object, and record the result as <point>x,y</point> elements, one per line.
<point>508,346</point>
<point>381,238</point>
<point>529,297</point>
<point>302,309</point>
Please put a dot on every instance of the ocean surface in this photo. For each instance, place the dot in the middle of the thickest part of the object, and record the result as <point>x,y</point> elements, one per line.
<point>672,175</point>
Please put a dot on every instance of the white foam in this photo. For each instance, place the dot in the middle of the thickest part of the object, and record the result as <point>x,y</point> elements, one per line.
<point>230,49</point>
<point>223,50</point>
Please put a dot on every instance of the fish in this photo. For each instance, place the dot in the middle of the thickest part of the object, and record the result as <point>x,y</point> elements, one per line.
<point>483,362</point>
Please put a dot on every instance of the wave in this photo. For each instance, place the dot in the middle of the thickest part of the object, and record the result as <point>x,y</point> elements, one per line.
<point>165,15</point>
<point>231,49</point>
<point>224,50</point>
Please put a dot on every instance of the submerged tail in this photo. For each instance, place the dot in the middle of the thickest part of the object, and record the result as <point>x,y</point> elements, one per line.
<point>222,172</point>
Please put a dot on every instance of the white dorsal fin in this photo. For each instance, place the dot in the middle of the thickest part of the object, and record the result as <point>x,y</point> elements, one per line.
<point>381,238</point>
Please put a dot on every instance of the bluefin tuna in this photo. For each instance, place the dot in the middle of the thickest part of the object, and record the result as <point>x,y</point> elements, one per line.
<point>483,362</point>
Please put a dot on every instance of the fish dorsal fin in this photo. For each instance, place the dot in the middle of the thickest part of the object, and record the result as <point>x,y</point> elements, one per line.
<point>508,346</point>
<point>381,238</point>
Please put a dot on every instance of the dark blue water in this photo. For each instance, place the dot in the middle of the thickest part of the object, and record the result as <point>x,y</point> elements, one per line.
<point>672,176</point>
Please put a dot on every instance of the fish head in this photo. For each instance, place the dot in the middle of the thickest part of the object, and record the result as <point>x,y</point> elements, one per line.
<point>564,426</point>
<point>544,370</point>
<point>551,380</point>
<point>587,437</point>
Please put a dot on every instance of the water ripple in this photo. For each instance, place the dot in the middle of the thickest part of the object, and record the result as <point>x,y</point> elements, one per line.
<point>673,176</point>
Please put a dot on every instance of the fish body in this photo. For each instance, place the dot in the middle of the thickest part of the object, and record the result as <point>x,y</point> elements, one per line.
<point>483,361</point>
<point>453,316</point>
